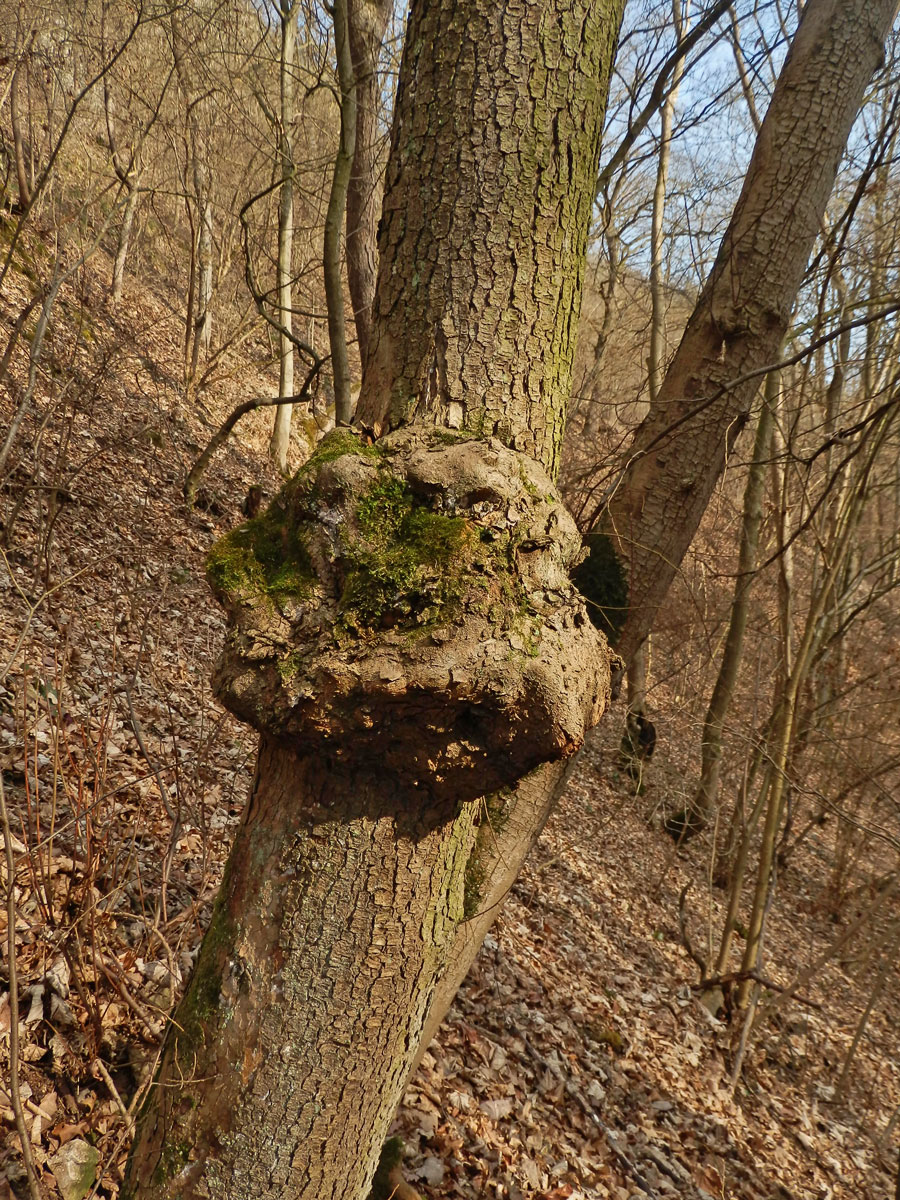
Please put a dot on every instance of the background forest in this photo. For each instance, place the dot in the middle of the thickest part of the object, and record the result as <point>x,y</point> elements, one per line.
<point>692,990</point>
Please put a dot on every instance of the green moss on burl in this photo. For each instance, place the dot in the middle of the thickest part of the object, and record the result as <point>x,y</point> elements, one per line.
<point>409,560</point>
<point>528,485</point>
<point>449,437</point>
<point>289,666</point>
<point>402,563</point>
<point>262,557</point>
<point>336,444</point>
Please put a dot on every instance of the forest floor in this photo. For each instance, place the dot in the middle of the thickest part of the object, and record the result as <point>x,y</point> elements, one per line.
<point>577,1060</point>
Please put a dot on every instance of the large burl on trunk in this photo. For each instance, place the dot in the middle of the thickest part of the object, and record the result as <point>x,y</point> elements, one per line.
<point>402,632</point>
<point>422,625</point>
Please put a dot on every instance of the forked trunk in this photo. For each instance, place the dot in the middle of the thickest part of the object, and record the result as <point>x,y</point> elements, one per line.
<point>403,632</point>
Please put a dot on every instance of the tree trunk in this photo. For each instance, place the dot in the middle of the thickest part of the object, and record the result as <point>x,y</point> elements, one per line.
<point>15,119</point>
<point>123,243</point>
<point>706,798</point>
<point>281,429</point>
<point>503,843</point>
<point>366,24</point>
<point>203,336</point>
<point>403,632</point>
<point>340,894</point>
<point>480,272</point>
<point>679,450</point>
<point>334,220</point>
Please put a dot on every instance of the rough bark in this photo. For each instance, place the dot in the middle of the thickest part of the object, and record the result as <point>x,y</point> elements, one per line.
<point>679,450</point>
<point>485,220</point>
<point>314,974</point>
<point>413,640</point>
<point>366,24</point>
<point>403,632</point>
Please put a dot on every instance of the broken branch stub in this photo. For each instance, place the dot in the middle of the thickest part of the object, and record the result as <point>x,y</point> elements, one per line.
<point>407,607</point>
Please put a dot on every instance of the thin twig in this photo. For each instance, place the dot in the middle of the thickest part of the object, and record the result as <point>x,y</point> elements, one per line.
<point>195,474</point>
<point>128,1131</point>
<point>100,1067</point>
<point>151,763</point>
<point>744,1039</point>
<point>35,605</point>
<point>659,93</point>
<point>110,969</point>
<point>705,981</point>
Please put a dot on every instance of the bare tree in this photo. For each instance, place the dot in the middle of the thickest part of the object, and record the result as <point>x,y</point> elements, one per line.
<point>679,450</point>
<point>359,852</point>
<point>287,62</point>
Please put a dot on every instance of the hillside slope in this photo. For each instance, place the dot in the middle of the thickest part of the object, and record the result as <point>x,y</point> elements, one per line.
<point>577,1061</point>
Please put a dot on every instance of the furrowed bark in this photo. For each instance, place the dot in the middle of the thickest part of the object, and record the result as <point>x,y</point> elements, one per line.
<point>485,219</point>
<point>338,898</point>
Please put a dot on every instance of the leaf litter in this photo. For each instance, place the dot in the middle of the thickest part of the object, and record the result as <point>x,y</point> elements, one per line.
<point>576,1061</point>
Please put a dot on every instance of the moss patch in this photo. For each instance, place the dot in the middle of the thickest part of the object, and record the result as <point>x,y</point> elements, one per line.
<point>476,876</point>
<point>408,564</point>
<point>174,1157</point>
<point>601,580</point>
<point>336,444</point>
<point>200,1003</point>
<point>448,437</point>
<point>265,556</point>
